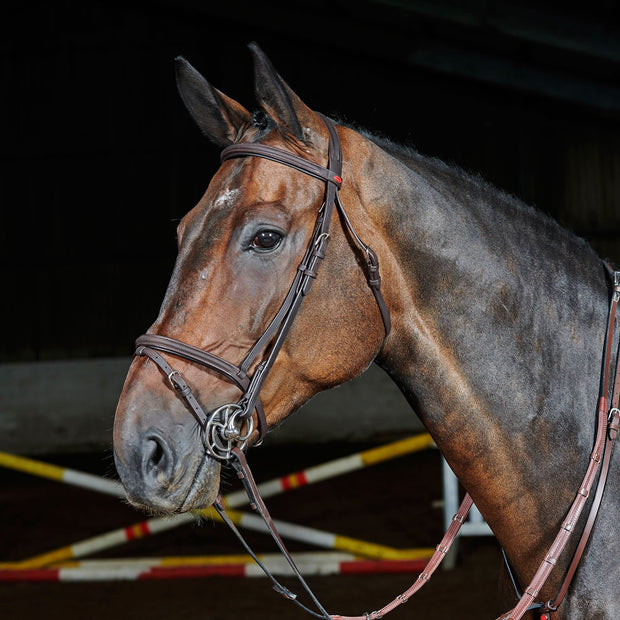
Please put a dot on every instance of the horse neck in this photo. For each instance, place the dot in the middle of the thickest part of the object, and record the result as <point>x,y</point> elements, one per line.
<point>498,324</point>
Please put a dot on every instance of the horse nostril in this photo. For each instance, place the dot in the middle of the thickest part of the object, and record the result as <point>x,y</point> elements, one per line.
<point>157,454</point>
<point>157,457</point>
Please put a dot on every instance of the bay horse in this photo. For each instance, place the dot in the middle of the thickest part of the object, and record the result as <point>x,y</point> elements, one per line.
<point>489,317</point>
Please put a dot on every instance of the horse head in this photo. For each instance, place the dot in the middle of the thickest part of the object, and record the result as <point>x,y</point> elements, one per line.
<point>238,264</point>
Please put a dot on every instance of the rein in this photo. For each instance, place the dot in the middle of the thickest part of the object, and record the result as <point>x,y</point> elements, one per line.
<point>227,430</point>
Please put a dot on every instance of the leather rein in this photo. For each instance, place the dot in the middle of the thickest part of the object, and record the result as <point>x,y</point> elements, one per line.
<point>226,431</point>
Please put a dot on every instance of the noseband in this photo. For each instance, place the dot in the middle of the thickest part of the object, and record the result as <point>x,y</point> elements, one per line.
<point>231,425</point>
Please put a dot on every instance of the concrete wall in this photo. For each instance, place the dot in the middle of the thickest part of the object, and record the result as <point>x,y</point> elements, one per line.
<point>65,406</point>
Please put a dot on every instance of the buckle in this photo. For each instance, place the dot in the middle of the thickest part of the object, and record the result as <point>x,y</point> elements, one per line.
<point>322,237</point>
<point>170,378</point>
<point>613,422</point>
<point>616,293</point>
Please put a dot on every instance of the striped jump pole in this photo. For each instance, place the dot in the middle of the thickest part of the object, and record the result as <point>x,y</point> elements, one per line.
<point>101,542</point>
<point>334,468</point>
<point>199,560</point>
<point>62,474</point>
<point>319,538</point>
<point>138,569</point>
<point>268,489</point>
<point>327,540</point>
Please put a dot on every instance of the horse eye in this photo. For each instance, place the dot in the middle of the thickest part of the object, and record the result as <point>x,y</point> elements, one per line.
<point>266,240</point>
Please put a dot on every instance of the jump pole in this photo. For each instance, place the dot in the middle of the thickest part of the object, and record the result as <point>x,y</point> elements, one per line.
<point>268,489</point>
<point>336,467</point>
<point>62,474</point>
<point>319,538</point>
<point>138,569</point>
<point>328,540</point>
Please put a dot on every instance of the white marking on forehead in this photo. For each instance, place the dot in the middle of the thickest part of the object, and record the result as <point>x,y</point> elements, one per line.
<point>227,198</point>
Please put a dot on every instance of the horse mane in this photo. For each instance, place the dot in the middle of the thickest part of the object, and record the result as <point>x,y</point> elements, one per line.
<point>457,182</point>
<point>435,166</point>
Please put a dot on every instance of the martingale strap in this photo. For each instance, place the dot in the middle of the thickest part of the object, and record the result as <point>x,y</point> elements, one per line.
<point>613,423</point>
<point>608,422</point>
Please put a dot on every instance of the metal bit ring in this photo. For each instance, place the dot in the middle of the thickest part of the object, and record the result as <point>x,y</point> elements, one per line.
<point>226,430</point>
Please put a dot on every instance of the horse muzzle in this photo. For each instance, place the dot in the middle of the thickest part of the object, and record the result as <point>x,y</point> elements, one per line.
<point>162,463</point>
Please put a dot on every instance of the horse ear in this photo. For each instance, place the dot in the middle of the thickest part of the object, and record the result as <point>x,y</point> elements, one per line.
<point>277,98</point>
<point>219,117</point>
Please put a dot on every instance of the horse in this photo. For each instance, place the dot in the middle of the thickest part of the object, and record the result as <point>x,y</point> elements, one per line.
<point>488,316</point>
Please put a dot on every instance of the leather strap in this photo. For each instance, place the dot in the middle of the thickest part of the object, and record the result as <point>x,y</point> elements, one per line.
<point>372,263</point>
<point>147,345</point>
<point>245,149</point>
<point>606,431</point>
<point>257,504</point>
<point>194,354</point>
<point>613,420</point>
<point>240,464</point>
<point>440,553</point>
<point>178,383</point>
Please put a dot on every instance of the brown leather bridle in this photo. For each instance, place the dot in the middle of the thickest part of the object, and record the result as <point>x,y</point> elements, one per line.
<point>232,424</point>
<point>227,430</point>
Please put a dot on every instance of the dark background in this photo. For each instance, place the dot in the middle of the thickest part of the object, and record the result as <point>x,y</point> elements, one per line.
<point>100,159</point>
